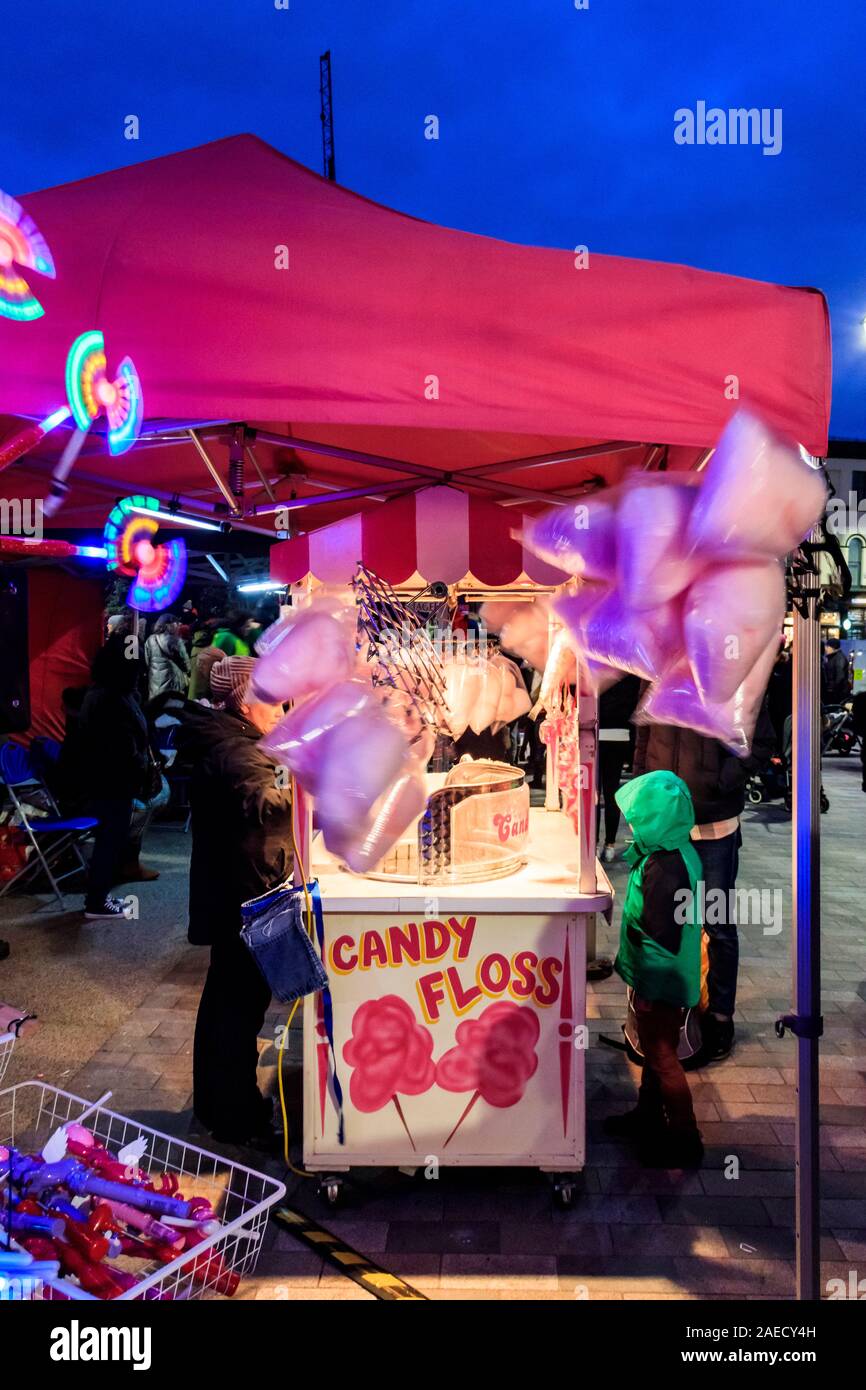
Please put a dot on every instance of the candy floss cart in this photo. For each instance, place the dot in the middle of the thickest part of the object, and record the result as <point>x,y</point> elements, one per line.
<point>455,937</point>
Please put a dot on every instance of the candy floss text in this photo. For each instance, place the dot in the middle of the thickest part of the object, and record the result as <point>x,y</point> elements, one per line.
<point>524,976</point>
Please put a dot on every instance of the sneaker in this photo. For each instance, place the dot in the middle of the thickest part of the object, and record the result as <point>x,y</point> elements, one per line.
<point>609,854</point>
<point>112,908</point>
<point>718,1037</point>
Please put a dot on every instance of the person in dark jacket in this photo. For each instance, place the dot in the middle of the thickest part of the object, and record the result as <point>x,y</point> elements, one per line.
<point>835,675</point>
<point>113,753</point>
<point>241,847</point>
<point>616,706</point>
<point>716,780</point>
<point>659,957</point>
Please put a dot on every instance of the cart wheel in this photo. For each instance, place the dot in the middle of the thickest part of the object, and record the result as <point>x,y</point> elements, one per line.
<point>331,1190</point>
<point>825,803</point>
<point>755,796</point>
<point>563,1193</point>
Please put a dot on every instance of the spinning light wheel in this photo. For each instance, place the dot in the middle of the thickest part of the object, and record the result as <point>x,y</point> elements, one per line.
<point>157,571</point>
<point>21,243</point>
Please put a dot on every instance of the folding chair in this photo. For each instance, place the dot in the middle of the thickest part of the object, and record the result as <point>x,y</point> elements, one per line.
<point>50,836</point>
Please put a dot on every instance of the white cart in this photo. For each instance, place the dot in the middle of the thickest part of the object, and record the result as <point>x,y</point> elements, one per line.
<point>459,1018</point>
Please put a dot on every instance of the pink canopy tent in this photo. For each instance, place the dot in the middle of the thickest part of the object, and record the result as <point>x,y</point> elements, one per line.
<point>388,353</point>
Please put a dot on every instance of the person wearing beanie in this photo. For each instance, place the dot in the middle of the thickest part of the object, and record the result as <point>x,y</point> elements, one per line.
<point>241,848</point>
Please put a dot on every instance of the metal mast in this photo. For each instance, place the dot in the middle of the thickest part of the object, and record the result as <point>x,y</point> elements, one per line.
<point>327,116</point>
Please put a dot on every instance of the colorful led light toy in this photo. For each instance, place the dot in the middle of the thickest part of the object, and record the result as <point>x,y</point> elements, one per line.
<point>158,571</point>
<point>90,391</point>
<point>21,243</point>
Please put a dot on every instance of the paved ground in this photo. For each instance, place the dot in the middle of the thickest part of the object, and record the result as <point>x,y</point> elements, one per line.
<point>118,1006</point>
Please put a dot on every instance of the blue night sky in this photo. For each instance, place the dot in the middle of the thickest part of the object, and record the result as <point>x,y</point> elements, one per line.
<point>556,124</point>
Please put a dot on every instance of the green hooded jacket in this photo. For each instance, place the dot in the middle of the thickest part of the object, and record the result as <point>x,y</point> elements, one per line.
<point>658,807</point>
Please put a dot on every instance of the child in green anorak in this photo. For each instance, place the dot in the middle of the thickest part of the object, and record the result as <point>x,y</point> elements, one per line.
<point>660,958</point>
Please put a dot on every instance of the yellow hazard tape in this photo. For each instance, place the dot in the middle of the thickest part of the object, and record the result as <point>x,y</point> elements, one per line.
<point>377,1281</point>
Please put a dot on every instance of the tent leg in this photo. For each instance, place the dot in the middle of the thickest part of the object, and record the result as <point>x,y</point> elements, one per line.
<point>806,885</point>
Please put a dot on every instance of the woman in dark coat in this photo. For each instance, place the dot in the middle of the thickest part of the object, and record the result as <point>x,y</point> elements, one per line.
<point>241,847</point>
<point>112,749</point>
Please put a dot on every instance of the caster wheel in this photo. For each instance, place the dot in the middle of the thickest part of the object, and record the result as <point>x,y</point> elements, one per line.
<point>825,804</point>
<point>563,1195</point>
<point>331,1191</point>
<point>755,798</point>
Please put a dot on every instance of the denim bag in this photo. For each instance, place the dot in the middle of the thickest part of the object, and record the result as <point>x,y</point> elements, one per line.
<point>275,935</point>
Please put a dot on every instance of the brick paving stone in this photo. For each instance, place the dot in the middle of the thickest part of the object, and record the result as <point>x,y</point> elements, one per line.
<point>772,1242</point>
<point>555,1238</point>
<point>499,1271</point>
<point>713,1211</point>
<point>743,1278</point>
<point>748,1184</point>
<point>645,1241</point>
<point>441,1236</point>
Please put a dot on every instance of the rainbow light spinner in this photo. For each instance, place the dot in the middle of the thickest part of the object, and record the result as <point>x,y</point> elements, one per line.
<point>89,390</point>
<point>157,571</point>
<point>21,243</point>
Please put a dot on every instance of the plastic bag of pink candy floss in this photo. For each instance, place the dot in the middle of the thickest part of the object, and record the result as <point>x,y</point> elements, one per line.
<point>298,741</point>
<point>365,845</point>
<point>759,497</point>
<point>305,652</point>
<point>523,628</point>
<point>652,521</point>
<point>606,630</point>
<point>730,614</point>
<point>579,538</point>
<point>675,699</point>
<point>360,759</point>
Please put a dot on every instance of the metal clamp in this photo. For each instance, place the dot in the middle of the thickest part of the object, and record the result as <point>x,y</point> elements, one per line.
<point>801,1025</point>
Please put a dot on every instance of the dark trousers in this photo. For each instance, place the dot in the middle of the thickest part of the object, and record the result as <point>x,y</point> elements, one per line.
<point>234,1001</point>
<point>109,843</point>
<point>721,860</point>
<point>612,756</point>
<point>664,1090</point>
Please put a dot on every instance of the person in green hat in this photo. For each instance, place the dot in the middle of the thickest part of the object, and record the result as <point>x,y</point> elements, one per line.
<point>660,958</point>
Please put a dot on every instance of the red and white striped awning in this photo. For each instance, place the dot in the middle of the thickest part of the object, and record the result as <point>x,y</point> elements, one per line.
<point>438,533</point>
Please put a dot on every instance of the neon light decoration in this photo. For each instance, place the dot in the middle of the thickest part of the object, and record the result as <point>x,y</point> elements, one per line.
<point>21,243</point>
<point>90,390</point>
<point>158,571</point>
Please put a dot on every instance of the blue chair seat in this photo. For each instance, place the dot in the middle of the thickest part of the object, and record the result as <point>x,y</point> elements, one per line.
<point>41,827</point>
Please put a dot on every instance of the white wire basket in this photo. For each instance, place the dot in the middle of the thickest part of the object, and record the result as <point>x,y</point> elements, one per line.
<point>7,1042</point>
<point>240,1197</point>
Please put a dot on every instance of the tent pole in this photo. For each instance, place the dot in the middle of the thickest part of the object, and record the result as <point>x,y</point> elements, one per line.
<point>806,923</point>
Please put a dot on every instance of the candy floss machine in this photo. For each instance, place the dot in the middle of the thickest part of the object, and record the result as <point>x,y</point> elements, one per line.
<point>475,828</point>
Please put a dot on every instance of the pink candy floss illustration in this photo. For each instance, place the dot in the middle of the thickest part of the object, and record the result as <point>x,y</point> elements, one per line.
<point>494,1056</point>
<point>390,1051</point>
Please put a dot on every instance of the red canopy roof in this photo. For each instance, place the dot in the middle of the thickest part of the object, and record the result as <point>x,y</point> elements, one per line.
<point>438,350</point>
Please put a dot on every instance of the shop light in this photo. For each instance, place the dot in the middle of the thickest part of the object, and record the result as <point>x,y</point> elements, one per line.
<point>179,518</point>
<point>261,586</point>
<point>92,552</point>
<point>218,567</point>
